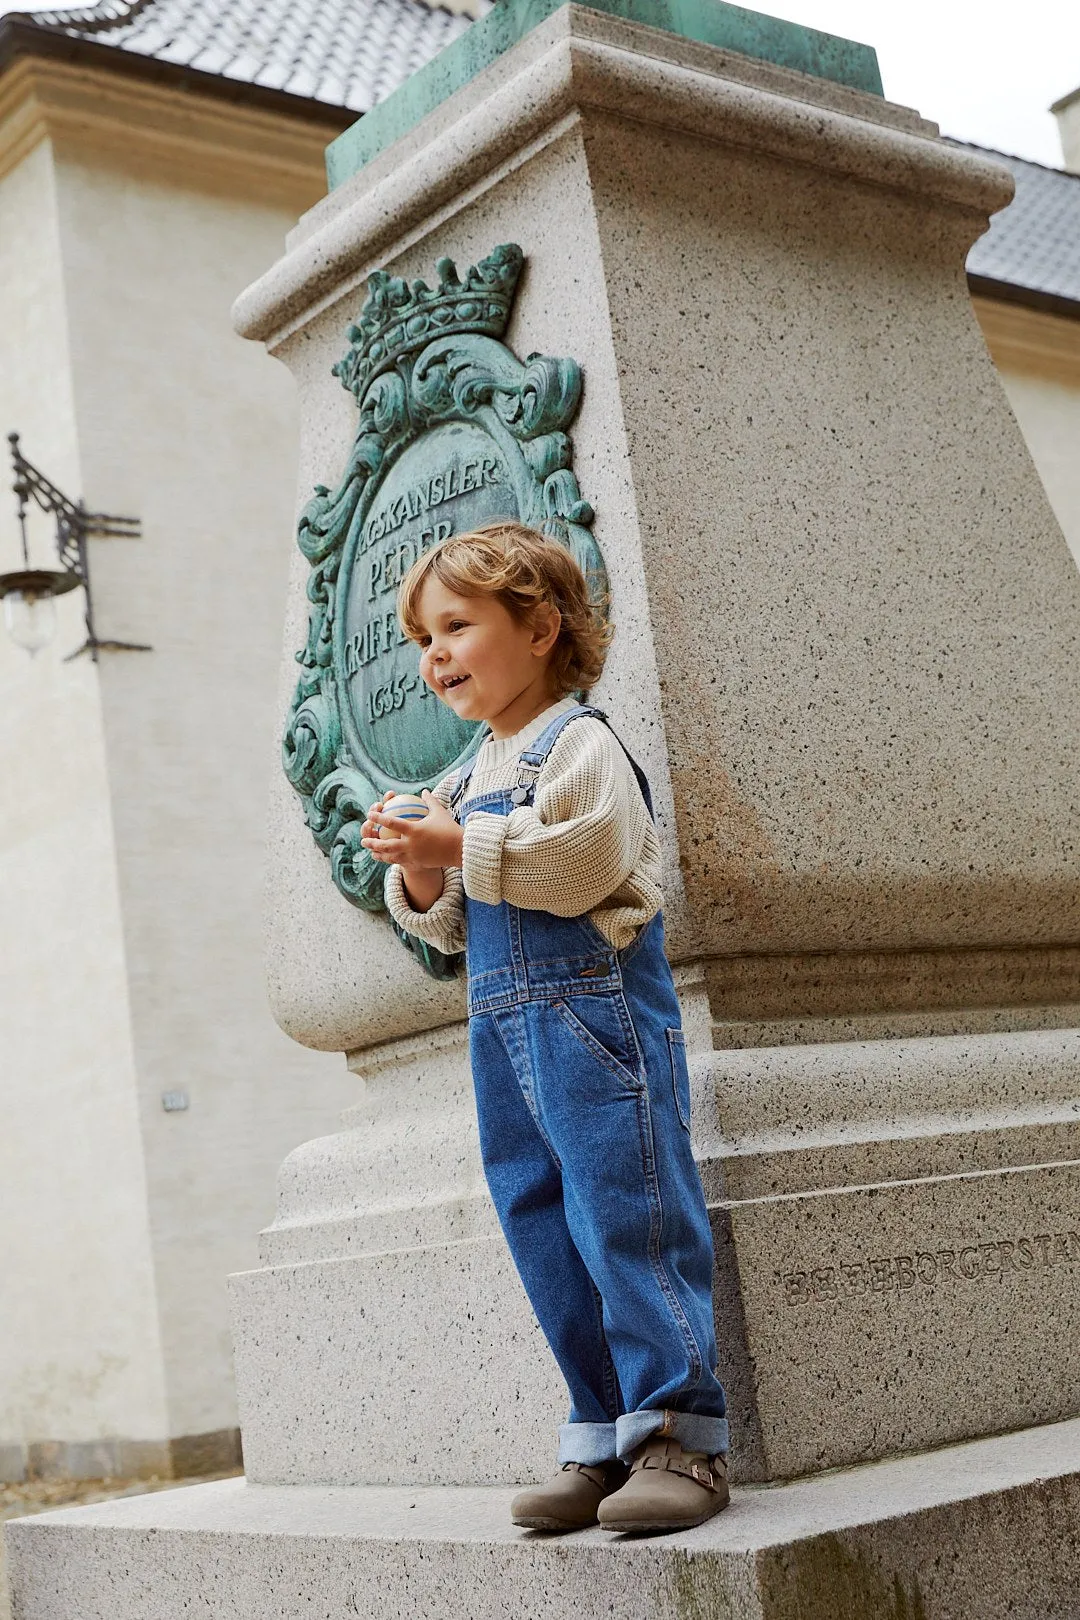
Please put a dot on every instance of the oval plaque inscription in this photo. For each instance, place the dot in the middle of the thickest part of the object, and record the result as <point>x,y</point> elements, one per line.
<point>451,480</point>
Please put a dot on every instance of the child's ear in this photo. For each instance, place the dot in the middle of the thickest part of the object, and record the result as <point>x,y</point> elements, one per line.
<point>547,622</point>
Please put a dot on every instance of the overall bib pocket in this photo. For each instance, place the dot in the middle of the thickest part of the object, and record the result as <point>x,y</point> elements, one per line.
<point>680,1074</point>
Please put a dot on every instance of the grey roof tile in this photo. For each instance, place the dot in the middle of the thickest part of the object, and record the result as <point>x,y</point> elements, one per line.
<point>347,53</point>
<point>1034,243</point>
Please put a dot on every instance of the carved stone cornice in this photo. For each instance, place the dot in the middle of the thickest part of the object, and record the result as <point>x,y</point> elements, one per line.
<point>148,127</point>
<point>581,65</point>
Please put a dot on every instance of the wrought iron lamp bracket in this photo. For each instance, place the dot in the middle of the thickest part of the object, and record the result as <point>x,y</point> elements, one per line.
<point>74,527</point>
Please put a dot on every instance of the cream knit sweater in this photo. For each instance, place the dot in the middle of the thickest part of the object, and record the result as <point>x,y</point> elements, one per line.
<point>585,844</point>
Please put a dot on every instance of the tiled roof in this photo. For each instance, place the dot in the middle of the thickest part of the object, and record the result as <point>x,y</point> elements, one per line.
<point>1034,244</point>
<point>347,53</point>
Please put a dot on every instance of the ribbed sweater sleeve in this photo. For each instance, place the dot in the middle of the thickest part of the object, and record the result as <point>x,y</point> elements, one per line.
<point>576,844</point>
<point>443,924</point>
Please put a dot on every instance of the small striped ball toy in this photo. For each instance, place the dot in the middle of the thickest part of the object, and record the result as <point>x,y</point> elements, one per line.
<point>406,806</point>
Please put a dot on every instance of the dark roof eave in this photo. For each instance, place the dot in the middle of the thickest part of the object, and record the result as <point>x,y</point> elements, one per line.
<point>1008,292</point>
<point>21,39</point>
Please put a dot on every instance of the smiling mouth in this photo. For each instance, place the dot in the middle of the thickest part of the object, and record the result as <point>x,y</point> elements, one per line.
<point>453,681</point>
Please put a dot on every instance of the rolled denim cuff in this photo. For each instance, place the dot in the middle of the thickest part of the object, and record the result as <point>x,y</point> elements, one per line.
<point>588,1443</point>
<point>693,1431</point>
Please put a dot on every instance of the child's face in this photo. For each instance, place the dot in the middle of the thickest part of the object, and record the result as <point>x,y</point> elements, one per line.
<point>480,660</point>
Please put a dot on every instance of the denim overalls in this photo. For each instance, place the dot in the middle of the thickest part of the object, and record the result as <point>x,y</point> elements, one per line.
<point>583,1099</point>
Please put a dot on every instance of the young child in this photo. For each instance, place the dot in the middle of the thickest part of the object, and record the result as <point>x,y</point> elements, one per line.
<point>540,858</point>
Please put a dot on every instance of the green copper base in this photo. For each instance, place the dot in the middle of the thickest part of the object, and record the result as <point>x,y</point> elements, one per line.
<point>710,22</point>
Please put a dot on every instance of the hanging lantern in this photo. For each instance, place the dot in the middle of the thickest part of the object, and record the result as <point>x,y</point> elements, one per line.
<point>29,597</point>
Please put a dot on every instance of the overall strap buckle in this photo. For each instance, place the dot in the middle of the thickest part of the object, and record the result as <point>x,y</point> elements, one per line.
<point>528,769</point>
<point>464,777</point>
<point>457,794</point>
<point>531,760</point>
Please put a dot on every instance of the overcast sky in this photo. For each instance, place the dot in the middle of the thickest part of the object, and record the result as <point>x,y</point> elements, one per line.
<point>984,70</point>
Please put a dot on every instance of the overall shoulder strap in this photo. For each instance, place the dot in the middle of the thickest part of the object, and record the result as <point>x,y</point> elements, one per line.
<point>538,752</point>
<point>642,779</point>
<point>530,760</point>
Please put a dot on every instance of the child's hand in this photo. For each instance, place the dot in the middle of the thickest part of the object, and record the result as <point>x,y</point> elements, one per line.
<point>369,833</point>
<point>418,846</point>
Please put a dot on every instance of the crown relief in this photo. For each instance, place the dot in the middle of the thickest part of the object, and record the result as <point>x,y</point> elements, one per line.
<point>398,318</point>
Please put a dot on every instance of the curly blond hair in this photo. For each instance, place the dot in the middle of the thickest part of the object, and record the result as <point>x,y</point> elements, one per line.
<point>523,569</point>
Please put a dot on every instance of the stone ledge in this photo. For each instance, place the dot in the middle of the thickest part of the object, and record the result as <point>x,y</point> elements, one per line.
<point>978,1531</point>
<point>849,985</point>
<point>915,1312</point>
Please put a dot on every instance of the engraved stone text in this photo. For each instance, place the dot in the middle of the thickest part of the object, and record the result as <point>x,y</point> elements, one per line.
<point>927,1268</point>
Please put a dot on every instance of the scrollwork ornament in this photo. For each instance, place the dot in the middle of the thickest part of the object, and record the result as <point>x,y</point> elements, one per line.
<point>453,430</point>
<point>312,739</point>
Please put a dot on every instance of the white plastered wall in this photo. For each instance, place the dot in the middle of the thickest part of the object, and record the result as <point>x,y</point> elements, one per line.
<point>184,425</point>
<point>80,1355</point>
<point>1067,112</point>
<point>1048,411</point>
<point>1037,355</point>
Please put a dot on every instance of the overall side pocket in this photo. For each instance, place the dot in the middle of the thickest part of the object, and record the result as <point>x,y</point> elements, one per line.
<point>680,1074</point>
<point>608,1035</point>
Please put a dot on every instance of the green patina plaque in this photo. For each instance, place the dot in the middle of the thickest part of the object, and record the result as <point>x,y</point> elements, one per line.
<point>709,22</point>
<point>454,431</point>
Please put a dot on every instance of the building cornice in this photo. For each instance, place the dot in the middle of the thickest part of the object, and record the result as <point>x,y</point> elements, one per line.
<point>1022,338</point>
<point>220,132</point>
<point>90,99</point>
<point>19,38</point>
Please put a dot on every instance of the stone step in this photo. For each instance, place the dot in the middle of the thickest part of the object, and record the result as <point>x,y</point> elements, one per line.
<point>979,1531</point>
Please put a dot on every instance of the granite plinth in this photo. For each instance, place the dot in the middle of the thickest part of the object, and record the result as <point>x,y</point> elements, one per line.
<point>897,1219</point>
<point>913,1314</point>
<point>829,609</point>
<point>983,1531</point>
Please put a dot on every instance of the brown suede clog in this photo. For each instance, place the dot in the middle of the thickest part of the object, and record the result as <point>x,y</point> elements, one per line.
<point>668,1489</point>
<point>570,1500</point>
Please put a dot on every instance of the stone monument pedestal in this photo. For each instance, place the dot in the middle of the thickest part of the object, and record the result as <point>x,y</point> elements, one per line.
<point>846,656</point>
